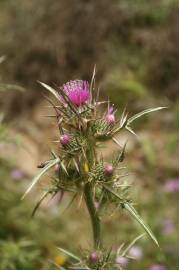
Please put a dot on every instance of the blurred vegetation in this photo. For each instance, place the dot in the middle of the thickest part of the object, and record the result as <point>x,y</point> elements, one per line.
<point>135,45</point>
<point>132,41</point>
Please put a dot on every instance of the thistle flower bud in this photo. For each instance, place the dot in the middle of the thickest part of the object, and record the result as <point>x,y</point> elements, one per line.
<point>94,257</point>
<point>65,139</point>
<point>110,117</point>
<point>108,169</point>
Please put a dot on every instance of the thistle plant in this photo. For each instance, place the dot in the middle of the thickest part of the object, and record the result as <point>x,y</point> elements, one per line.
<point>79,169</point>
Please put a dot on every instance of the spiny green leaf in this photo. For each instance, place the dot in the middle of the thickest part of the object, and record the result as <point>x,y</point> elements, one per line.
<point>121,155</point>
<point>69,254</point>
<point>58,266</point>
<point>133,213</point>
<point>71,201</point>
<point>92,84</point>
<point>54,154</point>
<point>131,244</point>
<point>137,217</point>
<point>64,167</point>
<point>123,120</point>
<point>131,130</point>
<point>93,79</point>
<point>39,175</point>
<point>39,202</point>
<point>76,165</point>
<point>112,191</point>
<point>50,89</point>
<point>134,117</point>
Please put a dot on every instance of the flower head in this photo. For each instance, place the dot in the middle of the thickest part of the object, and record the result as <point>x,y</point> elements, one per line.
<point>172,185</point>
<point>77,91</point>
<point>136,252</point>
<point>60,260</point>
<point>158,267</point>
<point>168,227</point>
<point>108,169</point>
<point>110,117</point>
<point>65,139</point>
<point>94,257</point>
<point>122,261</point>
<point>17,174</point>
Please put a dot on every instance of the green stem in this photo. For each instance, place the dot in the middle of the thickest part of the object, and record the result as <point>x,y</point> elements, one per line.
<point>95,221</point>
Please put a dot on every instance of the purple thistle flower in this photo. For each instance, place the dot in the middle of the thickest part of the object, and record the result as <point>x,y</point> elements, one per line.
<point>122,261</point>
<point>168,227</point>
<point>136,252</point>
<point>172,185</point>
<point>108,169</point>
<point>77,91</point>
<point>17,174</point>
<point>158,267</point>
<point>65,139</point>
<point>110,117</point>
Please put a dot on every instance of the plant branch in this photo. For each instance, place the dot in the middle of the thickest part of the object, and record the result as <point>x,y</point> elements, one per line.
<point>95,221</point>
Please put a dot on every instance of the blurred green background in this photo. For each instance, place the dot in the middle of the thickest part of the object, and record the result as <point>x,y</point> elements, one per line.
<point>135,45</point>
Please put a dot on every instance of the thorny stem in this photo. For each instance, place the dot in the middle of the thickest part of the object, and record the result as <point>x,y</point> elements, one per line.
<point>95,221</point>
<point>88,195</point>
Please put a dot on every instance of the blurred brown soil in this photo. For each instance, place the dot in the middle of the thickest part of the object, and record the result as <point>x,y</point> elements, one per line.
<point>34,133</point>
